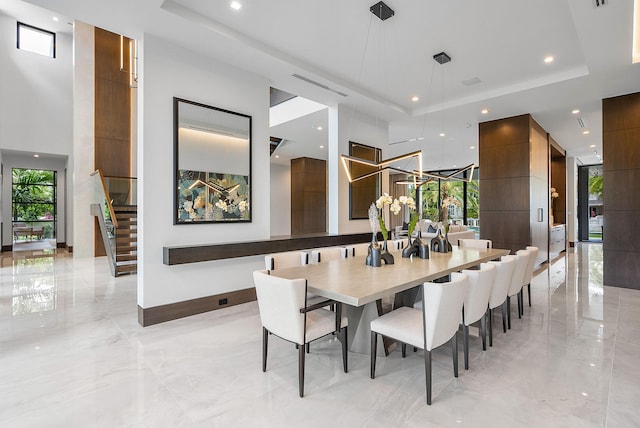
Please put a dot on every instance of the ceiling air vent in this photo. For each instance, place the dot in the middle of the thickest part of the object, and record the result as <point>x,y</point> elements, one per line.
<point>581,123</point>
<point>442,58</point>
<point>600,3</point>
<point>318,84</point>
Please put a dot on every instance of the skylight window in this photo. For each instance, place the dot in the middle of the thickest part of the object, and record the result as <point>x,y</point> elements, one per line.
<point>36,40</point>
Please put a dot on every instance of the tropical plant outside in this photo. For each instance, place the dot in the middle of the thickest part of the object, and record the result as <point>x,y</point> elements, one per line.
<point>33,198</point>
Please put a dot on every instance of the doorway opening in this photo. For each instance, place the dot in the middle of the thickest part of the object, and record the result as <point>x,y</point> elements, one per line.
<point>33,209</point>
<point>590,203</point>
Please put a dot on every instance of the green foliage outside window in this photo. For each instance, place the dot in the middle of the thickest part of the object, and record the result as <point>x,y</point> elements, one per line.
<point>33,197</point>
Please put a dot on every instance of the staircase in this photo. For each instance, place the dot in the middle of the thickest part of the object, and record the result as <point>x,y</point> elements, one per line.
<point>126,239</point>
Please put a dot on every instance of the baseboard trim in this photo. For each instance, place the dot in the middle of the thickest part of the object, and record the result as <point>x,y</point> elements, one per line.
<point>174,311</point>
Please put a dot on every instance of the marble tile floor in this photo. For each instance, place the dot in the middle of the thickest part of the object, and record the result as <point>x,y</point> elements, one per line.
<point>72,354</point>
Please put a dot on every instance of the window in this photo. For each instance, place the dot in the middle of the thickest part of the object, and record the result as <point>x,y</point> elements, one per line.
<point>36,40</point>
<point>34,201</point>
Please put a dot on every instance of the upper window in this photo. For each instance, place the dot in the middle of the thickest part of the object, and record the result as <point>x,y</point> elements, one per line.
<point>36,40</point>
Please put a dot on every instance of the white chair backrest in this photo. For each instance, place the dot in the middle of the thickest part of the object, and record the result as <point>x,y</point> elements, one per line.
<point>279,302</point>
<point>286,259</point>
<point>522,258</point>
<point>475,243</point>
<point>327,254</point>
<point>396,244</point>
<point>358,249</point>
<point>480,283</point>
<point>441,308</point>
<point>504,273</point>
<point>528,275</point>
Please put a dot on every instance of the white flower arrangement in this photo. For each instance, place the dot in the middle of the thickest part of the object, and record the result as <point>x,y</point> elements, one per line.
<point>554,192</point>
<point>395,207</point>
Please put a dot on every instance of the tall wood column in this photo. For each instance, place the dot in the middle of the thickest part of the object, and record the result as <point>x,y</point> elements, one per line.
<point>514,184</point>
<point>112,111</point>
<point>621,178</point>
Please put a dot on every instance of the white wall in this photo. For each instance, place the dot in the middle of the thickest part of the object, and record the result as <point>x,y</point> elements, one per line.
<point>36,106</point>
<point>346,125</point>
<point>14,160</point>
<point>280,200</point>
<point>167,70</point>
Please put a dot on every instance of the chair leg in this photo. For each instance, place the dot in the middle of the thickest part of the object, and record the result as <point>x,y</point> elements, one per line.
<point>265,341</point>
<point>301,370</point>
<point>427,374</point>
<point>508,313</point>
<point>504,317</point>
<point>490,327</point>
<point>454,351</point>
<point>465,346</point>
<point>374,348</point>
<point>483,331</point>
<point>308,347</point>
<point>345,353</point>
<point>404,350</point>
<point>520,304</point>
<point>529,292</point>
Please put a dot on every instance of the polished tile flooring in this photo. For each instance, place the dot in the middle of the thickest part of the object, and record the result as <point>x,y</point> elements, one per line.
<point>73,355</point>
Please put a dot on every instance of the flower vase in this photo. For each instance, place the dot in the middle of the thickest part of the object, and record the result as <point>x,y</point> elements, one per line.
<point>374,253</point>
<point>386,255</point>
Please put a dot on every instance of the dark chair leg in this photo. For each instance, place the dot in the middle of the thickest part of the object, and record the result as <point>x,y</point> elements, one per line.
<point>427,373</point>
<point>520,303</point>
<point>301,370</point>
<point>265,341</point>
<point>465,346</point>
<point>490,327</point>
<point>529,292</point>
<point>374,348</point>
<point>345,353</point>
<point>308,346</point>
<point>508,313</point>
<point>454,351</point>
<point>483,331</point>
<point>504,317</point>
<point>404,350</point>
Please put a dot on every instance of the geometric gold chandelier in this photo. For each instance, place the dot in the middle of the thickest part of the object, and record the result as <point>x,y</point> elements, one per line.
<point>383,165</point>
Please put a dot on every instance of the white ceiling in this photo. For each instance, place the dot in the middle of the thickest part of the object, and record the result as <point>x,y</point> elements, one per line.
<point>381,65</point>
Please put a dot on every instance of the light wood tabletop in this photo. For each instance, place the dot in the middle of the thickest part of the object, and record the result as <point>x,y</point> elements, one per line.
<point>351,282</point>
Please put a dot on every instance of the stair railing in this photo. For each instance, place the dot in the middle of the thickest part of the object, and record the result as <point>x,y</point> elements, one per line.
<point>102,209</point>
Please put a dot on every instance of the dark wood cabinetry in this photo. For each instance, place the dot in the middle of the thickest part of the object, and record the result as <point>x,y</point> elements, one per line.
<point>308,196</point>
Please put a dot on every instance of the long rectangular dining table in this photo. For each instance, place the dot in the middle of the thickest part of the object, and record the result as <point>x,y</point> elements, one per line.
<point>358,286</point>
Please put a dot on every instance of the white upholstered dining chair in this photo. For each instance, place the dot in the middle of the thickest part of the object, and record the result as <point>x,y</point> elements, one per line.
<point>358,249</point>
<point>476,302</point>
<point>434,325</point>
<point>528,275</point>
<point>286,259</point>
<point>515,287</point>
<point>284,313</point>
<point>327,254</point>
<point>498,297</point>
<point>475,243</point>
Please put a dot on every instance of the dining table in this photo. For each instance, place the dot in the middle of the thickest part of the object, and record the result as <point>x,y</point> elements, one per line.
<point>361,288</point>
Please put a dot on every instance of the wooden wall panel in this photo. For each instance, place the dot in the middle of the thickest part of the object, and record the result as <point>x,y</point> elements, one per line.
<point>112,110</point>
<point>308,196</point>
<point>621,170</point>
<point>539,191</point>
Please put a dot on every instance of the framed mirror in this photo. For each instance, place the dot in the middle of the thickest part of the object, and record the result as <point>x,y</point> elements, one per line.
<point>212,155</point>
<point>363,192</point>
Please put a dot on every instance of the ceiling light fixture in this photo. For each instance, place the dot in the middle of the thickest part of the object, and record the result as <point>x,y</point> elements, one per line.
<point>319,128</point>
<point>415,98</point>
<point>235,5</point>
<point>277,156</point>
<point>576,111</point>
<point>322,147</point>
<point>442,134</point>
<point>586,132</point>
<point>36,155</point>
<point>484,111</point>
<point>592,146</point>
<point>472,147</point>
<point>548,59</point>
<point>55,18</point>
<point>382,165</point>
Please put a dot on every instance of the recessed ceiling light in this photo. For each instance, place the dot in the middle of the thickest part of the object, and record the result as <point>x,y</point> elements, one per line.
<point>442,134</point>
<point>322,147</point>
<point>548,59</point>
<point>277,156</point>
<point>319,128</point>
<point>55,18</point>
<point>415,98</point>
<point>586,131</point>
<point>420,138</point>
<point>592,146</point>
<point>576,111</point>
<point>484,111</point>
<point>36,155</point>
<point>235,5</point>
<point>472,147</point>
<point>585,394</point>
<point>455,166</point>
